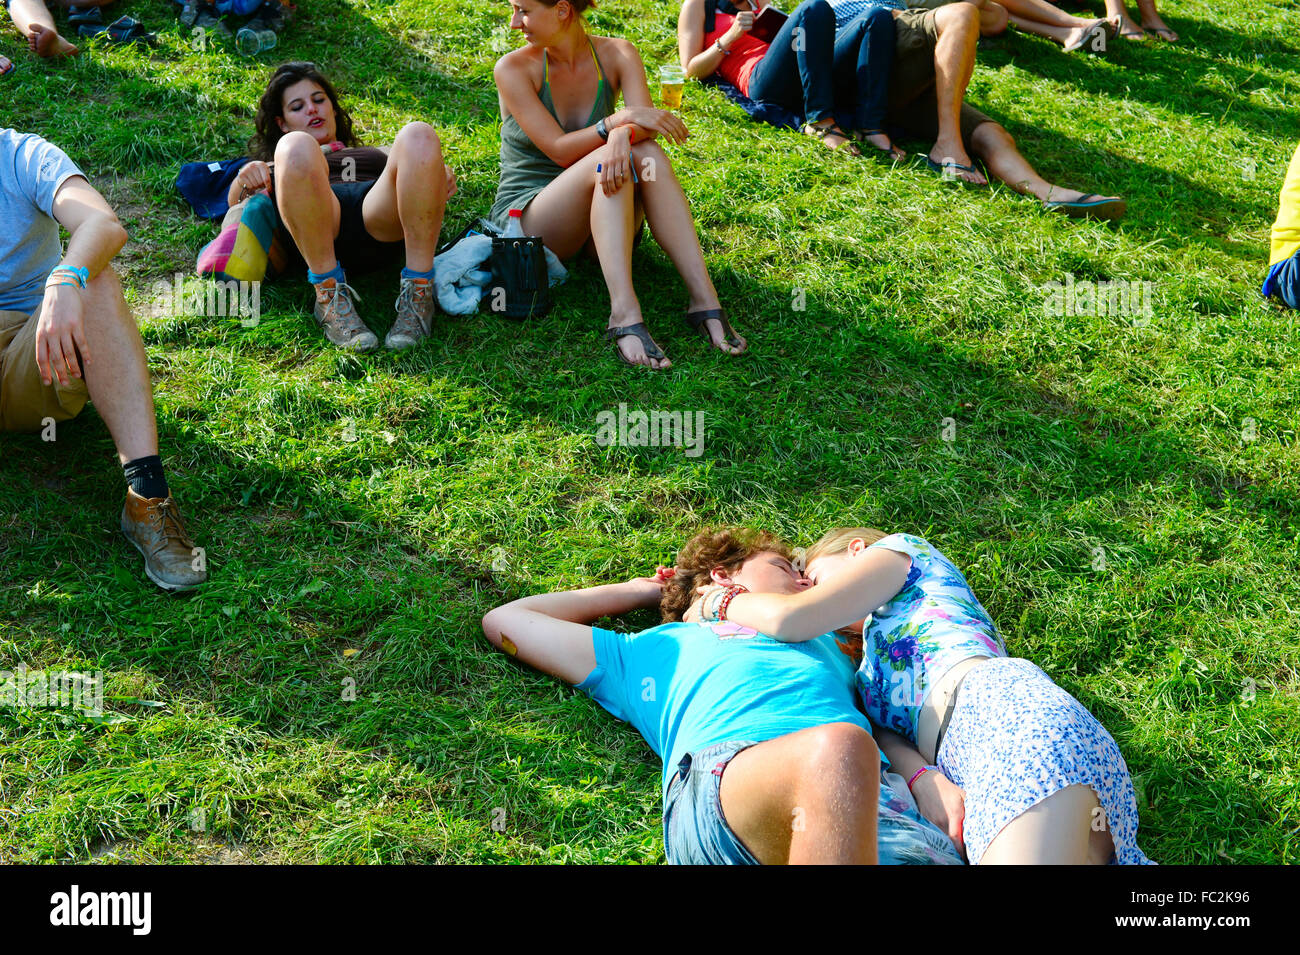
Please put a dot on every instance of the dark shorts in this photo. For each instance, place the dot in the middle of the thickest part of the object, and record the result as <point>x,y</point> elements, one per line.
<point>695,830</point>
<point>355,248</point>
<point>913,105</point>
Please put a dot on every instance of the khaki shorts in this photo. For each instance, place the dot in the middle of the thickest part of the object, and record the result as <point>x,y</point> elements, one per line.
<point>913,105</point>
<point>928,4</point>
<point>25,400</point>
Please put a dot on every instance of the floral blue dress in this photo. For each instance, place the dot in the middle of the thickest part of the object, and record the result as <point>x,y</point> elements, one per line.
<point>1015,737</point>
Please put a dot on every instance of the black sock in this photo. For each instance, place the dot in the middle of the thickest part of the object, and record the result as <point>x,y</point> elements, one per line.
<point>145,476</point>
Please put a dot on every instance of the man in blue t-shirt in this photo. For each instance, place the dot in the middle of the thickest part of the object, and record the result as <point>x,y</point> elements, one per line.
<point>67,336</point>
<point>766,758</point>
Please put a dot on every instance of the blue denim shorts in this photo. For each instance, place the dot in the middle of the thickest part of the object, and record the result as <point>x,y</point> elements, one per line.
<point>695,831</point>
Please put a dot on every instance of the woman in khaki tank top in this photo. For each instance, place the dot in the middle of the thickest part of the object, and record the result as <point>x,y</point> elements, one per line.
<point>585,175</point>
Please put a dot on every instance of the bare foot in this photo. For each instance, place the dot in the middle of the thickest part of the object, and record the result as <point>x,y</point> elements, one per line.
<point>714,327</point>
<point>1160,29</point>
<point>952,155</point>
<point>6,65</point>
<point>633,351</point>
<point>1085,38</point>
<point>47,43</point>
<point>886,145</point>
<point>832,136</point>
<point>1126,29</point>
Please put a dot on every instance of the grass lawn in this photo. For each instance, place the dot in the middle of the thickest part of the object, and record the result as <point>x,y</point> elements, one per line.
<point>1121,490</point>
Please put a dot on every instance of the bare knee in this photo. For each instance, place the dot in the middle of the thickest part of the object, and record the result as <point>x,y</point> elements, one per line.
<point>299,153</point>
<point>993,19</point>
<point>420,140</point>
<point>961,17</point>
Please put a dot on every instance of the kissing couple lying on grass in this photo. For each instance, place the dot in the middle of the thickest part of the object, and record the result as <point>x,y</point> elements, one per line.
<point>749,692</point>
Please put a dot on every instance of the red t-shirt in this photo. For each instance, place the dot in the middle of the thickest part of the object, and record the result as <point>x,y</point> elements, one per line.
<point>741,58</point>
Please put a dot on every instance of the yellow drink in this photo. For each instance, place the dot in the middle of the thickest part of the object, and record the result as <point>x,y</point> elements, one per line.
<point>671,94</point>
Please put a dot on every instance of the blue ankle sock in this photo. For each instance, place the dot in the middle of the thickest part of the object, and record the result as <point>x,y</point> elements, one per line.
<point>335,273</point>
<point>412,274</point>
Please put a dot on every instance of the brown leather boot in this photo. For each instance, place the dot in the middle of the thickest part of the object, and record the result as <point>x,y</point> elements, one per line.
<point>153,525</point>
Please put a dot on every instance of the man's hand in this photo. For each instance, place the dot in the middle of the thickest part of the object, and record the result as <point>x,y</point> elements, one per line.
<point>60,335</point>
<point>943,802</point>
<point>253,177</point>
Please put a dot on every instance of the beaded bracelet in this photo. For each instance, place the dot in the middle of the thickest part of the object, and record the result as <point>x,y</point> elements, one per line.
<point>726,601</point>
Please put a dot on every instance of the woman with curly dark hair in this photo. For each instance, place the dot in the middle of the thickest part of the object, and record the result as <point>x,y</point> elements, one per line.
<point>343,202</point>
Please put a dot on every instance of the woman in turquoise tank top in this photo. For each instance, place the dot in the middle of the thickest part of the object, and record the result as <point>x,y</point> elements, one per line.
<point>586,174</point>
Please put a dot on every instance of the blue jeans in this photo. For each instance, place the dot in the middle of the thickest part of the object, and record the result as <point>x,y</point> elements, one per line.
<point>695,830</point>
<point>796,71</point>
<point>864,55</point>
<point>1284,281</point>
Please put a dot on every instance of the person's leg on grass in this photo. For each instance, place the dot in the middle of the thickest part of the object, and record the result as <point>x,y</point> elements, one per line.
<point>954,62</point>
<point>796,72</point>
<point>310,212</point>
<point>864,55</point>
<point>810,796</point>
<point>1044,19</point>
<point>669,216</point>
<point>996,148</point>
<point>34,21</point>
<point>574,208</point>
<point>407,203</point>
<point>1151,21</point>
<point>1060,830</point>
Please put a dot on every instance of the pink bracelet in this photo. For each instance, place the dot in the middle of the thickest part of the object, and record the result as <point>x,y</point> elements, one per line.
<point>914,777</point>
<point>726,601</point>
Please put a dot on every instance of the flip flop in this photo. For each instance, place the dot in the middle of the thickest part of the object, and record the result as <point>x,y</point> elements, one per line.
<point>85,16</point>
<point>121,31</point>
<point>821,132</point>
<point>938,169</point>
<point>696,321</point>
<point>1086,42</point>
<point>652,350</point>
<point>1090,206</point>
<point>886,157</point>
<point>1161,32</point>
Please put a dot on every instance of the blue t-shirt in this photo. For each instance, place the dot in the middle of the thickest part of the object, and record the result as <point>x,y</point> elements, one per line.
<point>31,172</point>
<point>685,686</point>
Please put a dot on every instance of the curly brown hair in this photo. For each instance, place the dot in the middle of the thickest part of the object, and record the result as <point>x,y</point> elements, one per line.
<point>271,107</point>
<point>727,547</point>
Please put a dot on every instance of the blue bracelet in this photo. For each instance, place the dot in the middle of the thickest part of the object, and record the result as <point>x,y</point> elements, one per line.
<point>82,275</point>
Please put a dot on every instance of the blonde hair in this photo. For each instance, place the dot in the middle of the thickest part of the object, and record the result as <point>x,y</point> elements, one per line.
<point>837,540</point>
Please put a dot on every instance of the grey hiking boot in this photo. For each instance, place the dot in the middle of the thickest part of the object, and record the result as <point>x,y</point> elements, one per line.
<point>415,306</point>
<point>337,315</point>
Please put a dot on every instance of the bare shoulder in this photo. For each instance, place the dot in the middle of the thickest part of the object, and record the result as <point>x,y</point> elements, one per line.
<point>524,62</point>
<point>616,49</point>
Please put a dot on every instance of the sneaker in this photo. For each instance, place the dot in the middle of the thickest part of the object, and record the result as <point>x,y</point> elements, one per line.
<point>337,315</point>
<point>414,306</point>
<point>153,525</point>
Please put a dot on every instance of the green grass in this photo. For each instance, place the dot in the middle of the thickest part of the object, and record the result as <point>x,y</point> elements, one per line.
<point>474,477</point>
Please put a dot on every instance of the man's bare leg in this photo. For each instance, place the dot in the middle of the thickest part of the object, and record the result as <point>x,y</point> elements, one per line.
<point>35,22</point>
<point>810,796</point>
<point>954,62</point>
<point>118,375</point>
<point>994,145</point>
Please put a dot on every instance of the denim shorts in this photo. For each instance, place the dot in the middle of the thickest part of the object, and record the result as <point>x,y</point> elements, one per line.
<point>695,831</point>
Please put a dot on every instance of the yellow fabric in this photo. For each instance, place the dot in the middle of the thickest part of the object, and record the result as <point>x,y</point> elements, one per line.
<point>1286,230</point>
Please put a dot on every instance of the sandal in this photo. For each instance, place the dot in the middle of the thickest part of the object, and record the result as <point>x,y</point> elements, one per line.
<point>652,350</point>
<point>1088,42</point>
<point>121,31</point>
<point>942,170</point>
<point>696,321</point>
<point>889,157</point>
<point>85,16</point>
<point>821,132</point>
<point>1090,206</point>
